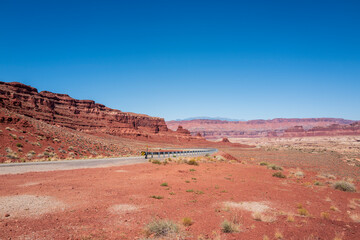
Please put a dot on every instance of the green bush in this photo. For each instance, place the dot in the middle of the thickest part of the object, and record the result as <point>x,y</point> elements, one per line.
<point>264,164</point>
<point>164,184</point>
<point>19,145</point>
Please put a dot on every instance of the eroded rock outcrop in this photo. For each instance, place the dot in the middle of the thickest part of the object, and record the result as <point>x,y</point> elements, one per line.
<point>81,115</point>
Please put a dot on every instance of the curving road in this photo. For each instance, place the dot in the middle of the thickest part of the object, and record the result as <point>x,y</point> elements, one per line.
<point>15,168</point>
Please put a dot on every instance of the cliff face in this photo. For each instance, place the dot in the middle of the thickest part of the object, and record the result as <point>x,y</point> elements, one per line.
<point>215,129</point>
<point>82,115</point>
<point>332,130</point>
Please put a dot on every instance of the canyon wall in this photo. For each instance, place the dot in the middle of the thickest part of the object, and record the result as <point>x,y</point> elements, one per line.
<point>216,129</point>
<point>81,115</point>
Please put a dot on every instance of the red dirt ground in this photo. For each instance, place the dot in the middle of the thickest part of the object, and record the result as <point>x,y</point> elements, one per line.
<point>88,194</point>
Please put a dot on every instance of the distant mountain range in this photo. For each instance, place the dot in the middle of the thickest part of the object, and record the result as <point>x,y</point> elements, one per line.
<point>213,128</point>
<point>210,118</point>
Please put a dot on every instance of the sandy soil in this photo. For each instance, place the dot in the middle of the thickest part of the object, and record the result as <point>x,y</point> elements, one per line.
<point>116,202</point>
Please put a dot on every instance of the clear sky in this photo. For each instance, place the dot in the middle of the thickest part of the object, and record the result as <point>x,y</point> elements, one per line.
<point>178,58</point>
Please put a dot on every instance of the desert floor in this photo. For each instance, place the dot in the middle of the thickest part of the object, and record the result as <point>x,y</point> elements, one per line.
<point>118,202</point>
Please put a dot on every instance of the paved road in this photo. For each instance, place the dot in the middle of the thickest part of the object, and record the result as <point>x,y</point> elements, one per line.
<point>14,168</point>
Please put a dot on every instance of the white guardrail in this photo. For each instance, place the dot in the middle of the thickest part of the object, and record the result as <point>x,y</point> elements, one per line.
<point>175,153</point>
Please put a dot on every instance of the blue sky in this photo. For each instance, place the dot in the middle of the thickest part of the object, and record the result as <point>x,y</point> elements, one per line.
<point>178,59</point>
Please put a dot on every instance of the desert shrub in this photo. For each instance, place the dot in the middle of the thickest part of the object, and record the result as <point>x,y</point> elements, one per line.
<point>19,145</point>
<point>187,221</point>
<point>156,161</point>
<point>333,208</point>
<point>290,218</point>
<point>278,235</point>
<point>190,190</point>
<point>199,192</point>
<point>257,216</point>
<point>12,155</point>
<point>229,227</point>
<point>317,183</point>
<point>193,162</point>
<point>192,170</point>
<point>344,186</point>
<point>303,212</point>
<point>325,215</point>
<point>161,228</point>
<point>157,197</point>
<point>274,167</point>
<point>13,136</point>
<point>164,184</point>
<point>264,164</point>
<point>279,175</point>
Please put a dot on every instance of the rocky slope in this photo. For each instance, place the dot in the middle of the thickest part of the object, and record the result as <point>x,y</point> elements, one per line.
<point>215,129</point>
<point>47,126</point>
<point>82,115</point>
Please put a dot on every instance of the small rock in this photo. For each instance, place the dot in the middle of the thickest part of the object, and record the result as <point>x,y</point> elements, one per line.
<point>7,215</point>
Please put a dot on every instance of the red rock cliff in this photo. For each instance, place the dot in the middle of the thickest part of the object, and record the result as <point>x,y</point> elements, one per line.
<point>81,115</point>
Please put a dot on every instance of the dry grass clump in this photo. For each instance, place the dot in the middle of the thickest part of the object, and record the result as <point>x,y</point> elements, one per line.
<point>193,162</point>
<point>229,227</point>
<point>355,217</point>
<point>302,211</point>
<point>325,215</point>
<point>290,218</point>
<point>327,175</point>
<point>257,216</point>
<point>156,197</point>
<point>279,175</point>
<point>155,161</point>
<point>299,174</point>
<point>186,221</point>
<point>333,208</point>
<point>278,235</point>
<point>344,186</point>
<point>274,167</point>
<point>263,163</point>
<point>161,228</point>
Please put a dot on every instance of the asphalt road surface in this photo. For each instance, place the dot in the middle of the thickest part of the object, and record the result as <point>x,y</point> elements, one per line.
<point>15,168</point>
